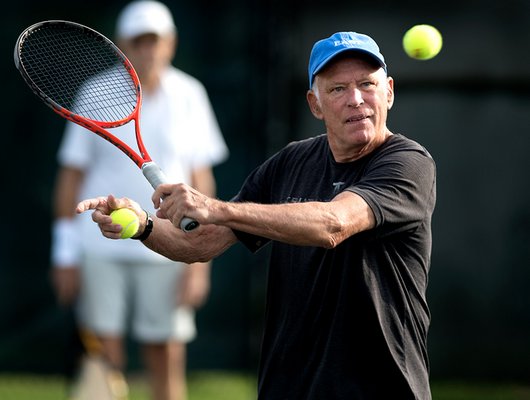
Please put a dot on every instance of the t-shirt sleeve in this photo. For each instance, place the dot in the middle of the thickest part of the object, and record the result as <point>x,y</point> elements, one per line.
<point>75,149</point>
<point>251,242</point>
<point>209,145</point>
<point>400,189</point>
<point>255,189</point>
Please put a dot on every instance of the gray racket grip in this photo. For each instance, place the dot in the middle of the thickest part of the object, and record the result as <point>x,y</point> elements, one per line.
<point>156,177</point>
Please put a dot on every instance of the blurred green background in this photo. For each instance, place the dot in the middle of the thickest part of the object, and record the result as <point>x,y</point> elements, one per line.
<point>470,106</point>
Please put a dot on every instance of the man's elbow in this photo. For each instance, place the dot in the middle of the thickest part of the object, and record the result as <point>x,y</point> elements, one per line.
<point>189,258</point>
<point>339,231</point>
<point>334,234</point>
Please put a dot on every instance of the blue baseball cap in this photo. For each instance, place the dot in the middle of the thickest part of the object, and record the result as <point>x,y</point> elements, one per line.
<point>326,49</point>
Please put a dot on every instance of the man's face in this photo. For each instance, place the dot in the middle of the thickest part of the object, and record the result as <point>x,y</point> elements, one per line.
<point>150,54</point>
<point>352,97</point>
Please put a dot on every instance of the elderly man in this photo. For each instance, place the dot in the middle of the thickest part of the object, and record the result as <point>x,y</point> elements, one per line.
<point>348,215</point>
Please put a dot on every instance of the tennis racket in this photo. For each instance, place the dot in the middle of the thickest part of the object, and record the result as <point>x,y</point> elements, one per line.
<point>85,78</point>
<point>96,379</point>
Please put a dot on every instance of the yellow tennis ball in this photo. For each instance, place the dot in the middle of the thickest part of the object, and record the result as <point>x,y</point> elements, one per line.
<point>128,220</point>
<point>422,42</point>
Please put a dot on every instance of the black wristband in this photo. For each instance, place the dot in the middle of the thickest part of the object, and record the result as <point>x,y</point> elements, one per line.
<point>148,229</point>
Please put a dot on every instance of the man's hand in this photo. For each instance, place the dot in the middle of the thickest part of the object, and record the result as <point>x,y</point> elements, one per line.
<point>195,285</point>
<point>103,206</point>
<point>176,201</point>
<point>66,283</point>
<point>201,245</point>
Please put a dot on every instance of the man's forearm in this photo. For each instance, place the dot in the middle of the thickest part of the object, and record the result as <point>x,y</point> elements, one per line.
<point>323,224</point>
<point>200,245</point>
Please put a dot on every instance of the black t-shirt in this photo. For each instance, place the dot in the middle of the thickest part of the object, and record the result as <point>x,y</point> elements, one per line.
<point>349,322</point>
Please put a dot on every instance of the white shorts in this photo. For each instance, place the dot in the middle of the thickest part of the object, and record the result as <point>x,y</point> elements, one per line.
<point>116,294</point>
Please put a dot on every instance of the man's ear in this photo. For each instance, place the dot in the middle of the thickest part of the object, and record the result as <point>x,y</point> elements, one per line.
<point>390,92</point>
<point>314,104</point>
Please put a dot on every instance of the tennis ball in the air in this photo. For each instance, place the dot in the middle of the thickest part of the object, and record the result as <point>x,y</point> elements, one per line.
<point>422,42</point>
<point>128,220</point>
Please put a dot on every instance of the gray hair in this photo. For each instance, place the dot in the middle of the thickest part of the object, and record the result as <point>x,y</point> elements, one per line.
<point>314,89</point>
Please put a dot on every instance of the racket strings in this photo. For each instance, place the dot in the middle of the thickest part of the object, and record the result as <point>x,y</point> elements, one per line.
<point>80,71</point>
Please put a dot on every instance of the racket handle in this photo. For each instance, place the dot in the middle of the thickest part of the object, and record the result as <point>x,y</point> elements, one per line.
<point>154,174</point>
<point>188,224</point>
<point>156,177</point>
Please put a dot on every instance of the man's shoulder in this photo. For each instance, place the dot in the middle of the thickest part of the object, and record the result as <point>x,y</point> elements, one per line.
<point>307,143</point>
<point>295,151</point>
<point>401,143</point>
<point>176,77</point>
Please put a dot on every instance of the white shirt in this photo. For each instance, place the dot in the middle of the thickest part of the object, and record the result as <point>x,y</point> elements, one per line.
<point>180,132</point>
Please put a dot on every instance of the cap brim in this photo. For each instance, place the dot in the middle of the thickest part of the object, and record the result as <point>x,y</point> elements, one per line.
<point>341,51</point>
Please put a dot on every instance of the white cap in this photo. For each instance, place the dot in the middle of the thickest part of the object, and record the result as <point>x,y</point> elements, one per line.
<point>144,16</point>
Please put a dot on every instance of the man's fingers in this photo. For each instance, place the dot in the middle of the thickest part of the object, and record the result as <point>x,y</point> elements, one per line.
<point>104,221</point>
<point>103,204</point>
<point>161,214</point>
<point>160,192</point>
<point>91,204</point>
<point>115,203</point>
<point>102,208</point>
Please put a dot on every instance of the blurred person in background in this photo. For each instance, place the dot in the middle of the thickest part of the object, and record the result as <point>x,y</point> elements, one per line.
<point>117,285</point>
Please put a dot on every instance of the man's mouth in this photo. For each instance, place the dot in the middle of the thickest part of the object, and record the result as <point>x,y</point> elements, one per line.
<point>356,118</point>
